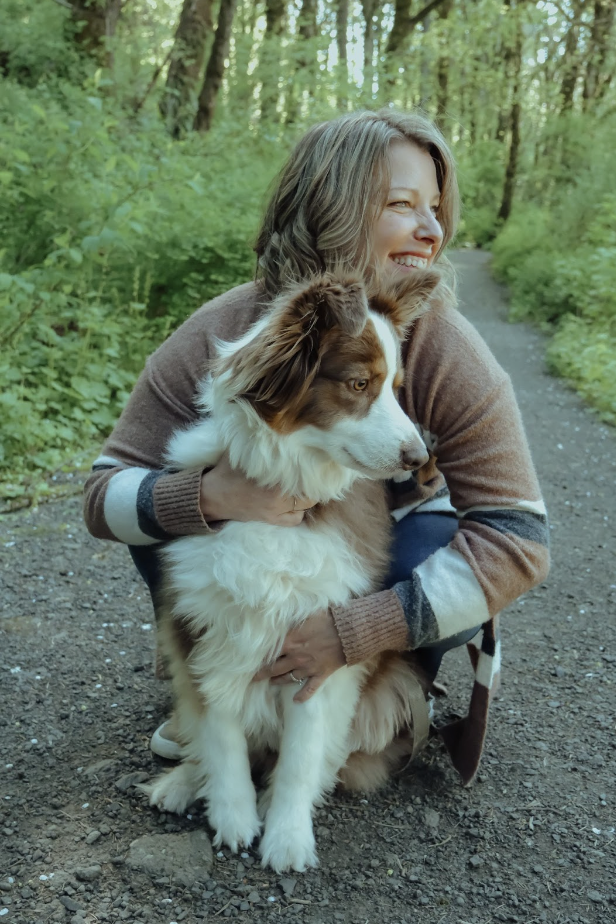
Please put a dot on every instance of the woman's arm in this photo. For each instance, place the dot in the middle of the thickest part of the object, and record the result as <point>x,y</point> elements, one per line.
<point>465,404</point>
<point>129,497</point>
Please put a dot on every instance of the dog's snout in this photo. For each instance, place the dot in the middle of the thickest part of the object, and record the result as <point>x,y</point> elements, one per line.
<point>412,456</point>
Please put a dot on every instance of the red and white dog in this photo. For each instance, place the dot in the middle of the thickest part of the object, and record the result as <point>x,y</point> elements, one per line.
<point>305,400</point>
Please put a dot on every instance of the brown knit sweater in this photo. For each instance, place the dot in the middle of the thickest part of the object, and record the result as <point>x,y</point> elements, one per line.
<point>480,467</point>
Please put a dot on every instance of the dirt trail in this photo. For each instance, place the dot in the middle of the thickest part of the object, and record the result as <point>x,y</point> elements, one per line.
<point>532,841</point>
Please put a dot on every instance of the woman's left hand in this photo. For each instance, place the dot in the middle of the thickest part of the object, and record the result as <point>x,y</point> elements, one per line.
<point>312,652</point>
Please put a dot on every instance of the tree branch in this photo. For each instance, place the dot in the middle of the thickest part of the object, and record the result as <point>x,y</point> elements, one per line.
<point>419,17</point>
<point>66,5</point>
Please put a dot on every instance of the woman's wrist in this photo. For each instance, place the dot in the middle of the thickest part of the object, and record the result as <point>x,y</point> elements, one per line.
<point>209,498</point>
<point>371,625</point>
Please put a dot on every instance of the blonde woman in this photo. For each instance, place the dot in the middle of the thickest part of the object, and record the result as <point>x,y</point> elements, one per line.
<point>376,193</point>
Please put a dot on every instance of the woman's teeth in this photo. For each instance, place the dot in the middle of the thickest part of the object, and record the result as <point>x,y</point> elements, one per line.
<point>407,260</point>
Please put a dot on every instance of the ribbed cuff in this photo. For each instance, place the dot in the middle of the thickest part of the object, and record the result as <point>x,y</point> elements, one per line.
<point>176,503</point>
<point>371,625</point>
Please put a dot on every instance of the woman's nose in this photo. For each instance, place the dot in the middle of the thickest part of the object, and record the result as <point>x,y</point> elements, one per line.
<point>429,228</point>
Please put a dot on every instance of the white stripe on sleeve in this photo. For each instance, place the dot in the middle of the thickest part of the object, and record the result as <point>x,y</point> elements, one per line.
<point>453,591</point>
<point>121,507</point>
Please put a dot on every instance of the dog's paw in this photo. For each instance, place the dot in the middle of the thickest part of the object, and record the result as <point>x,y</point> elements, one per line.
<point>288,845</point>
<point>173,791</point>
<point>235,823</point>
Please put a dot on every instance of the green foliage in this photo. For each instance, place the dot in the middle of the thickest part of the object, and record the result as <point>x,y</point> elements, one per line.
<point>573,289</point>
<point>110,236</point>
<point>584,352</point>
<point>481,173</point>
<point>35,42</point>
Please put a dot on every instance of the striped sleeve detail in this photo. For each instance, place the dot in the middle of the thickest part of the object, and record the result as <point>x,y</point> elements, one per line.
<point>105,462</point>
<point>146,516</point>
<point>128,507</point>
<point>507,549</point>
<point>525,525</point>
<point>439,503</point>
<point>442,598</point>
<point>142,506</point>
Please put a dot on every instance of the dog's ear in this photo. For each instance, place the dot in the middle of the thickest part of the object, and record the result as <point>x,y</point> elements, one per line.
<point>273,371</point>
<point>405,299</point>
<point>339,302</point>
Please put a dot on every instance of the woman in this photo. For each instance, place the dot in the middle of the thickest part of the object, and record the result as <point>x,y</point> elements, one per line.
<point>376,193</point>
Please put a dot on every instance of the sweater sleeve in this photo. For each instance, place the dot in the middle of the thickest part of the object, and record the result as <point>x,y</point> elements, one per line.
<point>129,496</point>
<point>464,403</point>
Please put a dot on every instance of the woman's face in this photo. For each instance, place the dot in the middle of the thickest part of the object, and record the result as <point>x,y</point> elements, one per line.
<point>407,234</point>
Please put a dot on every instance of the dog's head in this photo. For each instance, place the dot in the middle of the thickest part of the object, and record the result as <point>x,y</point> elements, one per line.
<point>324,365</point>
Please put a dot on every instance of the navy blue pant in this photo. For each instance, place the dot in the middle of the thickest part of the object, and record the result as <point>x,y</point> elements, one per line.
<point>416,537</point>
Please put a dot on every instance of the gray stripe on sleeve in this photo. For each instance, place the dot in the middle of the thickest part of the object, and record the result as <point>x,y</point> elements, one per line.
<point>422,623</point>
<point>146,518</point>
<point>522,523</point>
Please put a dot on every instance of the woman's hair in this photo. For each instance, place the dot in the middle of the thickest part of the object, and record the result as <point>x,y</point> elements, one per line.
<point>333,188</point>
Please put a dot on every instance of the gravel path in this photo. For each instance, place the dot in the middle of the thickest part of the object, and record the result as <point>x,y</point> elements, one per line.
<point>532,841</point>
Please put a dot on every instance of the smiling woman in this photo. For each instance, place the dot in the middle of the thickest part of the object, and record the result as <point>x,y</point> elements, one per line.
<point>372,196</point>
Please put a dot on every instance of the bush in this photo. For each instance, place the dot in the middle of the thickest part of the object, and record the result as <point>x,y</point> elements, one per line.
<point>110,236</point>
<point>481,174</point>
<point>572,289</point>
<point>585,354</point>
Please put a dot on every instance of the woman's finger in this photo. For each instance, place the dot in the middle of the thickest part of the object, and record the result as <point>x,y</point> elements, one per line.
<point>309,688</point>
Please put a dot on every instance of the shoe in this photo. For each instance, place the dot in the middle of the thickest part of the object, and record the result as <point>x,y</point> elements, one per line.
<point>163,742</point>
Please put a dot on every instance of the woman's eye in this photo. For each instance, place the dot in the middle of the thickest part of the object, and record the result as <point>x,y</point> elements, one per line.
<point>402,203</point>
<point>359,384</point>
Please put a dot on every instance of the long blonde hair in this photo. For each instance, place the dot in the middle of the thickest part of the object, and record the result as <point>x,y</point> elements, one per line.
<point>333,188</point>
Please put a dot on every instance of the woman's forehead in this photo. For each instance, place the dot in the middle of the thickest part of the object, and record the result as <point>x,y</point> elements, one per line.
<point>411,168</point>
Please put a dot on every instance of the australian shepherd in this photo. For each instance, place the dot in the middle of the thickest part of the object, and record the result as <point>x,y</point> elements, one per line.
<point>307,401</point>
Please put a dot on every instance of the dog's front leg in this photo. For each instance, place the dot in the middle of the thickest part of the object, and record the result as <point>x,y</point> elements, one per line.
<point>288,841</point>
<point>222,752</point>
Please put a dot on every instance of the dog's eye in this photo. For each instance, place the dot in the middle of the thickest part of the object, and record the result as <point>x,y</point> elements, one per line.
<point>359,384</point>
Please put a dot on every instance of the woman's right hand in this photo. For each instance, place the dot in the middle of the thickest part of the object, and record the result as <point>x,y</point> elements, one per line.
<point>227,494</point>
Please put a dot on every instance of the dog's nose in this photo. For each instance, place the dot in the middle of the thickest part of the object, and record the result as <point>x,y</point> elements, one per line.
<point>412,457</point>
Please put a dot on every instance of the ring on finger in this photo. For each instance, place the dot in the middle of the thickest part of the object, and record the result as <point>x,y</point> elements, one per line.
<point>294,678</point>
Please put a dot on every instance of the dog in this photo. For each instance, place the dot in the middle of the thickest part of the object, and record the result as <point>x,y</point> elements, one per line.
<point>306,400</point>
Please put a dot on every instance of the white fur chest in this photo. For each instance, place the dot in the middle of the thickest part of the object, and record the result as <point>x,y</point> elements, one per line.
<point>246,585</point>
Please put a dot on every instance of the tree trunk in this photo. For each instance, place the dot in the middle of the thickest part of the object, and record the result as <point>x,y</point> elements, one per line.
<point>571,59</point>
<point>99,20</point>
<point>369,9</point>
<point>215,67</point>
<point>442,67</point>
<point>275,11</point>
<point>514,121</point>
<point>405,22</point>
<point>303,72</point>
<point>342,26</point>
<point>602,25</point>
<point>186,63</point>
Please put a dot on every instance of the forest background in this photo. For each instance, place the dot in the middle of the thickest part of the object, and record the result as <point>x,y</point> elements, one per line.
<point>138,139</point>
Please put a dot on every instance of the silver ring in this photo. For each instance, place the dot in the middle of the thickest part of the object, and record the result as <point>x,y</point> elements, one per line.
<point>294,678</point>
<point>294,504</point>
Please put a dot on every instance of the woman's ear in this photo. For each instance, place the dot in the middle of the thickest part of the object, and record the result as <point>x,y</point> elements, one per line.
<point>404,300</point>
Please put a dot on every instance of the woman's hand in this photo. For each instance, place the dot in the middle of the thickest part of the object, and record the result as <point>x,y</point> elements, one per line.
<point>227,494</point>
<point>312,652</point>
